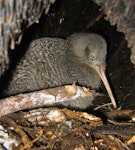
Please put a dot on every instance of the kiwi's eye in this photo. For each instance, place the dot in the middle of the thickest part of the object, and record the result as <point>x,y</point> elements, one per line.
<point>92,56</point>
<point>89,54</point>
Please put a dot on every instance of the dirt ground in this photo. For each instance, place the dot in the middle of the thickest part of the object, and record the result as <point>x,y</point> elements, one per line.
<point>64,18</point>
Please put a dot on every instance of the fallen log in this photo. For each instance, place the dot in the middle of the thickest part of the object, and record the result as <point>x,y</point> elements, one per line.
<point>59,96</point>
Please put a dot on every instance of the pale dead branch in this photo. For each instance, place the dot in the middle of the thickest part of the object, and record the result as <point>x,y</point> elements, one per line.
<point>48,97</point>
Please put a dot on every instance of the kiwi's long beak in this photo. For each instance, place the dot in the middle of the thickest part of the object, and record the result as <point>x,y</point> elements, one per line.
<point>101,71</point>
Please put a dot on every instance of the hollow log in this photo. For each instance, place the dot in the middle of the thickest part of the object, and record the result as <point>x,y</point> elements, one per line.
<point>121,13</point>
<point>16,16</point>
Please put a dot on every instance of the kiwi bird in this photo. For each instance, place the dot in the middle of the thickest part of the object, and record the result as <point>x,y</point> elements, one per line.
<point>51,62</point>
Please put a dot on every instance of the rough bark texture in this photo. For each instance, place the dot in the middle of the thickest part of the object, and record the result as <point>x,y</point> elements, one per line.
<point>121,13</point>
<point>15,16</point>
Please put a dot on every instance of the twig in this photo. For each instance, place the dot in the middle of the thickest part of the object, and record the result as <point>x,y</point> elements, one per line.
<point>95,19</point>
